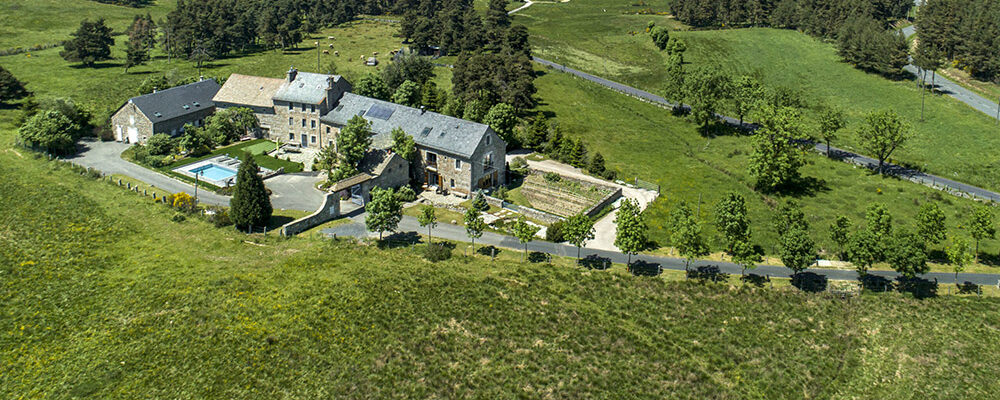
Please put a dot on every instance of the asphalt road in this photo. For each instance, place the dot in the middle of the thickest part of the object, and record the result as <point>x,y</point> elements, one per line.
<point>288,191</point>
<point>457,233</point>
<point>946,86</point>
<point>912,175</point>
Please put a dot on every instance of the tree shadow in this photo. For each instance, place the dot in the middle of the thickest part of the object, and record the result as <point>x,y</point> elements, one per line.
<point>992,260</point>
<point>803,186</point>
<point>139,72</point>
<point>755,280</point>
<point>97,65</point>
<point>708,273</point>
<point>920,288</point>
<point>875,283</point>
<point>399,239</point>
<point>491,251</point>
<point>809,282</point>
<point>968,288</point>
<point>594,261</point>
<point>937,256</point>
<point>538,257</point>
<point>277,221</point>
<point>644,268</point>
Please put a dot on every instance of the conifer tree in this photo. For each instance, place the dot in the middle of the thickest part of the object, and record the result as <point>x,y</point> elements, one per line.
<point>250,205</point>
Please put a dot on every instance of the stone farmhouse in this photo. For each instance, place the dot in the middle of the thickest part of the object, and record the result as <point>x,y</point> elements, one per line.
<point>307,109</point>
<point>164,111</point>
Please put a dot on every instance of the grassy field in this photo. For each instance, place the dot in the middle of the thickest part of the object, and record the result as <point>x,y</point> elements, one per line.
<point>597,36</point>
<point>111,299</point>
<point>26,23</point>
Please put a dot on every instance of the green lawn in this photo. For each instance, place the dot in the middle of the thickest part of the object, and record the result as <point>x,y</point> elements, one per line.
<point>110,299</point>
<point>612,45</point>
<point>256,147</point>
<point>26,23</point>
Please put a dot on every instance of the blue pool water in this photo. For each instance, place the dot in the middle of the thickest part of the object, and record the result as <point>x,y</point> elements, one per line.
<point>214,172</point>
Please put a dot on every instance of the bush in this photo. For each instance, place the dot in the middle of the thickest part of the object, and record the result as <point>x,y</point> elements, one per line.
<point>480,203</point>
<point>160,144</point>
<point>178,217</point>
<point>437,252</point>
<point>519,165</point>
<point>406,194</point>
<point>501,193</point>
<point>552,177</point>
<point>555,232</point>
<point>219,217</point>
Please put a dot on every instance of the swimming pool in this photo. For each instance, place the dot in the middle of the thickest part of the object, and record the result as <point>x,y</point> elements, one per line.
<point>214,172</point>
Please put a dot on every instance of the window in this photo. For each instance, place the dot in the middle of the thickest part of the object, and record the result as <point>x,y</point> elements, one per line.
<point>432,158</point>
<point>488,160</point>
<point>291,106</point>
<point>328,129</point>
<point>291,136</point>
<point>131,119</point>
<point>303,122</point>
<point>303,107</point>
<point>452,183</point>
<point>312,108</point>
<point>313,139</point>
<point>312,123</point>
<point>489,139</point>
<point>289,120</point>
<point>458,164</point>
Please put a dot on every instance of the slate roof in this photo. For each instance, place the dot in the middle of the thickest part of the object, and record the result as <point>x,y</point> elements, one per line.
<point>170,103</point>
<point>249,90</point>
<point>307,88</point>
<point>428,129</point>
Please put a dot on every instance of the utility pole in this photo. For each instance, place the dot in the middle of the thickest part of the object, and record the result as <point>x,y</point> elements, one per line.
<point>923,94</point>
<point>317,59</point>
<point>196,187</point>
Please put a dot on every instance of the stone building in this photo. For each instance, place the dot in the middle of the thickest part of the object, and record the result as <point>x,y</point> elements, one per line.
<point>379,168</point>
<point>307,109</point>
<point>288,109</point>
<point>164,111</point>
<point>456,156</point>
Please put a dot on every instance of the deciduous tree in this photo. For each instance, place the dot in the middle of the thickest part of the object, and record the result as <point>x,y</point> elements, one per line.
<point>731,220</point>
<point>776,156</point>
<point>428,218</point>
<point>798,251</point>
<point>407,94</point>
<point>383,212</point>
<point>931,224</point>
<point>748,94</point>
<point>882,133</point>
<point>831,120</point>
<point>49,131</point>
<point>685,234</point>
<point>524,232</point>
<point>981,227</point>
<point>503,119</point>
<point>630,236</point>
<point>705,87</point>
<point>474,225</point>
<point>839,232</point>
<point>372,85</point>
<point>959,255</point>
<point>577,230</point>
<point>908,254</point>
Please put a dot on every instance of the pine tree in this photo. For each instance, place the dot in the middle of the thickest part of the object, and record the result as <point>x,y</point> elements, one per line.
<point>250,205</point>
<point>91,42</point>
<point>10,87</point>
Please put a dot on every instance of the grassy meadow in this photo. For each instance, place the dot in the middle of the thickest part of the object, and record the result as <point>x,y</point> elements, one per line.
<point>110,299</point>
<point>607,38</point>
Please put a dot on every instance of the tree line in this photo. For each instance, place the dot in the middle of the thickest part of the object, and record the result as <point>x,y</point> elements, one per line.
<point>860,26</point>
<point>966,32</point>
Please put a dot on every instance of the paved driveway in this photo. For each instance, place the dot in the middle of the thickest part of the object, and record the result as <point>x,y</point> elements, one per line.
<point>289,191</point>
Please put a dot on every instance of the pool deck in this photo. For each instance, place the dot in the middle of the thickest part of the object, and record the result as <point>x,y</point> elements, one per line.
<point>220,161</point>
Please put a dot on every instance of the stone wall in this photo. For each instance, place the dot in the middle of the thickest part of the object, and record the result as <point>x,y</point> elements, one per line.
<point>328,211</point>
<point>606,201</point>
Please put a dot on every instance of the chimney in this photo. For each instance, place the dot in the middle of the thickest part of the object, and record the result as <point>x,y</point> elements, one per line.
<point>201,78</point>
<point>154,89</point>
<point>291,74</point>
<point>422,110</point>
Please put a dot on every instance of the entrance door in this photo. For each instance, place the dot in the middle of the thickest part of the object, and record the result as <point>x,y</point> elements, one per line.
<point>305,140</point>
<point>118,133</point>
<point>133,134</point>
<point>357,197</point>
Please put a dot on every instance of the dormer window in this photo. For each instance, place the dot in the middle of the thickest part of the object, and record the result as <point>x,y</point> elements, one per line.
<point>312,108</point>
<point>291,106</point>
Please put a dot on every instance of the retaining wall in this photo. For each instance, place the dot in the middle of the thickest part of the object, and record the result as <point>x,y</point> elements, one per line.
<point>328,211</point>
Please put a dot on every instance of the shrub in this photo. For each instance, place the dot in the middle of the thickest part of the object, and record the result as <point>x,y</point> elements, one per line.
<point>480,203</point>
<point>519,165</point>
<point>406,194</point>
<point>552,177</point>
<point>219,217</point>
<point>555,232</point>
<point>501,193</point>
<point>160,144</point>
<point>437,252</point>
<point>183,201</point>
<point>178,217</point>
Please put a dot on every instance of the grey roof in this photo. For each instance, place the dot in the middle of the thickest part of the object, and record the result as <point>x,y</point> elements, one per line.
<point>177,101</point>
<point>307,88</point>
<point>429,129</point>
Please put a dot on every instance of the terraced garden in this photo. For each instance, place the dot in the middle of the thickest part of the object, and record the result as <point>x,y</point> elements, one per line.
<point>563,197</point>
